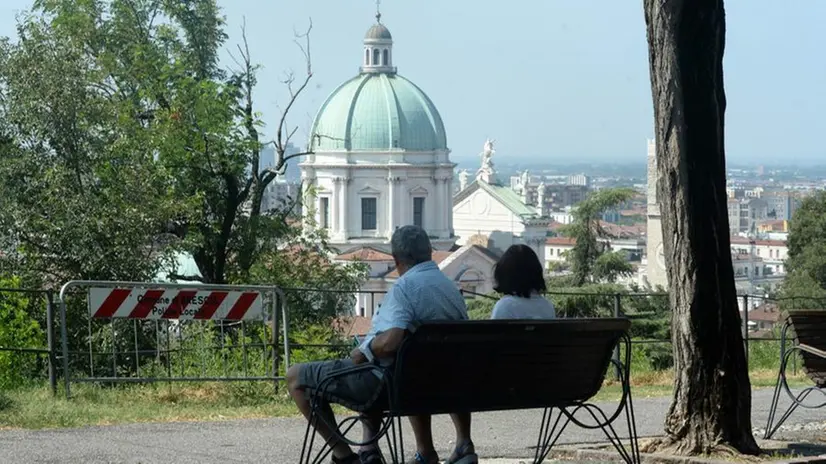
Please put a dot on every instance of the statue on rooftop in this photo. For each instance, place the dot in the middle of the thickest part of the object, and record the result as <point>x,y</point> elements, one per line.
<point>487,153</point>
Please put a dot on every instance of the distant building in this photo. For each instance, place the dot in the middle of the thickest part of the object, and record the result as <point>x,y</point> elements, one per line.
<point>781,205</point>
<point>745,214</point>
<point>579,179</point>
<point>773,253</point>
<point>488,211</point>
<point>281,194</point>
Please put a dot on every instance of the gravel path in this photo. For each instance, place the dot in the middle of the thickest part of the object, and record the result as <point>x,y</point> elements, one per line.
<point>497,435</point>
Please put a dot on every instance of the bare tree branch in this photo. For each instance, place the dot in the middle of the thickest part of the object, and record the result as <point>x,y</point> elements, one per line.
<point>282,142</point>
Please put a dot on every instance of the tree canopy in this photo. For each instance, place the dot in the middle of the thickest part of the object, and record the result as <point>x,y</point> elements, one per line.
<point>123,138</point>
<point>591,259</point>
<point>805,282</point>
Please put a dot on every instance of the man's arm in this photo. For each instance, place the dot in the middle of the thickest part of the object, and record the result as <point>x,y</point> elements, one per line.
<point>397,310</point>
<point>386,343</point>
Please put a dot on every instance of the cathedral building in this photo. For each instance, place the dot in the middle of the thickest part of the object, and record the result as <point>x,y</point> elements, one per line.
<point>381,158</point>
<point>381,161</point>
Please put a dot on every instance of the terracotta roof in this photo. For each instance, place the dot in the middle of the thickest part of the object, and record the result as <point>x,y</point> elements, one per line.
<point>767,312</point>
<point>349,326</point>
<point>365,254</point>
<point>563,241</point>
<point>555,226</point>
<point>438,256</point>
<point>745,241</point>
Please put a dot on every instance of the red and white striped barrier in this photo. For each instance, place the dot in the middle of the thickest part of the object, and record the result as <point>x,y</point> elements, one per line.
<point>134,303</point>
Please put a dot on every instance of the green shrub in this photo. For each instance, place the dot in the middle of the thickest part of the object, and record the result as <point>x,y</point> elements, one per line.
<point>17,330</point>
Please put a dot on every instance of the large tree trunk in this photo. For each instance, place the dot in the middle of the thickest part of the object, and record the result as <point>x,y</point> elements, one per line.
<point>711,409</point>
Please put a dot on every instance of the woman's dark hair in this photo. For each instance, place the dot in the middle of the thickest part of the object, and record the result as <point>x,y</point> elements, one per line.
<point>519,272</point>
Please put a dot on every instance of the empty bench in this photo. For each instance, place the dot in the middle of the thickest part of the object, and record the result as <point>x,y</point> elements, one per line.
<point>805,331</point>
<point>498,365</point>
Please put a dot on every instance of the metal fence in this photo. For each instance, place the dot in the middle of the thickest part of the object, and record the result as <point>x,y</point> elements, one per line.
<point>27,348</point>
<point>131,332</point>
<point>121,344</point>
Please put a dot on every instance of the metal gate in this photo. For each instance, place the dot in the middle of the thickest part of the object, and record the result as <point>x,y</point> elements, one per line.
<point>138,332</point>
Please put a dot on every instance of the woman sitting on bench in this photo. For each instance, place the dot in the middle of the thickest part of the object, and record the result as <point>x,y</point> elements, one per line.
<point>520,278</point>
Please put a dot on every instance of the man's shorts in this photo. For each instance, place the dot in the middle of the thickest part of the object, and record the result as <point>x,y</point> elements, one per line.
<point>360,391</point>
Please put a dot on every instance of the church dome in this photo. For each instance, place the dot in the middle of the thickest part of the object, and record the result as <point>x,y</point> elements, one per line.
<point>378,31</point>
<point>379,112</point>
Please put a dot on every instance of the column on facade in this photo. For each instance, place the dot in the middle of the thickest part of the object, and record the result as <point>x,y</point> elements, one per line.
<point>391,206</point>
<point>405,203</point>
<point>341,184</point>
<point>333,205</point>
<point>446,206</point>
<point>435,215</point>
<point>449,205</point>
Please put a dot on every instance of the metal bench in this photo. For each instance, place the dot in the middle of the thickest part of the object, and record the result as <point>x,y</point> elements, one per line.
<point>497,365</point>
<point>809,341</point>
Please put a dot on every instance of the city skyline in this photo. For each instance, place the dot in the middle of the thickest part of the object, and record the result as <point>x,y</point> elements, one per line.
<point>571,85</point>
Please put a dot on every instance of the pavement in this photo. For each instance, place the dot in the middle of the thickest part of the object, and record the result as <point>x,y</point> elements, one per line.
<point>500,437</point>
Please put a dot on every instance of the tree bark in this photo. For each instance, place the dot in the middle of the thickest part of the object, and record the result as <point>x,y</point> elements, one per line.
<point>711,408</point>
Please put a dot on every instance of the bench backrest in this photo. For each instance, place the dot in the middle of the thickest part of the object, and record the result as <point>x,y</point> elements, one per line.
<point>489,365</point>
<point>810,329</point>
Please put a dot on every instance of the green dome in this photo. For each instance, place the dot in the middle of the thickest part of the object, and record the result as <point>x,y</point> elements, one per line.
<point>378,112</point>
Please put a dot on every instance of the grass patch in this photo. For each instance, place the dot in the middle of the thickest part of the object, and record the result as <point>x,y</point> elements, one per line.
<point>36,408</point>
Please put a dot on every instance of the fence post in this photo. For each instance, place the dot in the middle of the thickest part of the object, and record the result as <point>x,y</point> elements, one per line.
<point>746,327</point>
<point>50,341</point>
<point>64,341</point>
<point>617,312</point>
<point>276,357</point>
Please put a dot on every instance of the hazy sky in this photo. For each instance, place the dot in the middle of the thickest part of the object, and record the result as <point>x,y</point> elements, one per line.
<point>562,80</point>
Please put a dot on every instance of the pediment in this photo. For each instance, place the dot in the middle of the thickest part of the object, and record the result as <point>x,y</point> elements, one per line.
<point>418,190</point>
<point>369,190</point>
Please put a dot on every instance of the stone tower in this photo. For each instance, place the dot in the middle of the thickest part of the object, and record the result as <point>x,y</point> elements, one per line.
<point>655,269</point>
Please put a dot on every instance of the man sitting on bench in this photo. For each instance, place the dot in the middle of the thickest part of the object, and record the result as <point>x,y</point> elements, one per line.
<point>421,293</point>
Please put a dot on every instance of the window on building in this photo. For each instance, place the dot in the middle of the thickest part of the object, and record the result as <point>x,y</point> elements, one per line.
<point>368,214</point>
<point>367,57</point>
<point>376,57</point>
<point>325,212</point>
<point>418,211</point>
<point>386,60</point>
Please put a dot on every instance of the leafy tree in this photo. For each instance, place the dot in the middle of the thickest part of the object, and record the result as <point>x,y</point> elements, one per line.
<point>82,197</point>
<point>590,238</point>
<point>480,307</point>
<point>805,282</point>
<point>711,407</point>
<point>317,288</point>
<point>17,330</point>
<point>122,134</point>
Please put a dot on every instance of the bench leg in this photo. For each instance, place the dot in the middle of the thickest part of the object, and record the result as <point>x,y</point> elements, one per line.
<point>548,434</point>
<point>395,440</point>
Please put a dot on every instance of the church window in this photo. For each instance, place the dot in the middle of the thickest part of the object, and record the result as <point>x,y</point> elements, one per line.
<point>368,214</point>
<point>376,57</point>
<point>418,211</point>
<point>386,58</point>
<point>367,57</point>
<point>325,212</point>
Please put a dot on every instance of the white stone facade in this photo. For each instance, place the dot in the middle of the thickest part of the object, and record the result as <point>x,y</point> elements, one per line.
<point>361,203</point>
